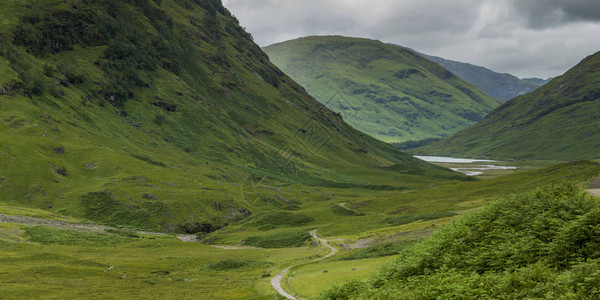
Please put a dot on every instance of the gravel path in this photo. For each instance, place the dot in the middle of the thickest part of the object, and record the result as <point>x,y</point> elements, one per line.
<point>276,280</point>
<point>82,227</point>
<point>594,192</point>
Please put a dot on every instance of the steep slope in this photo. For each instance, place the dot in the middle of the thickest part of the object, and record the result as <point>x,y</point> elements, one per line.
<point>560,120</point>
<point>385,91</point>
<point>159,114</point>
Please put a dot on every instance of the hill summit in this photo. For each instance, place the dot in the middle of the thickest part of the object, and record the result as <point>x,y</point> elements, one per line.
<point>388,92</point>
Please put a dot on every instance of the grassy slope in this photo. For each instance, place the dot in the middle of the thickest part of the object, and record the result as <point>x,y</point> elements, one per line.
<point>558,121</point>
<point>62,260</point>
<point>207,115</point>
<point>388,92</point>
<point>535,245</point>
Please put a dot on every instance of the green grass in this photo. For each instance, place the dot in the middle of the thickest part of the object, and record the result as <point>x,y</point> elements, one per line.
<point>556,122</point>
<point>279,240</point>
<point>156,266</point>
<point>309,281</point>
<point>406,219</point>
<point>232,264</point>
<point>388,92</point>
<point>537,244</point>
<point>110,266</point>
<point>380,250</point>
<point>163,122</point>
<point>280,219</point>
<point>50,236</point>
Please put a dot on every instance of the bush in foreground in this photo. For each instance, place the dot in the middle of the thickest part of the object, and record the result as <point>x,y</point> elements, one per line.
<point>537,245</point>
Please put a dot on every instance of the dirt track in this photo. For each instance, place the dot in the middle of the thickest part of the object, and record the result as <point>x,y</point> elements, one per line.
<point>594,192</point>
<point>276,280</point>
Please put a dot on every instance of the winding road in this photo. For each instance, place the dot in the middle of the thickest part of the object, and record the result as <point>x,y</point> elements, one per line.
<point>276,280</point>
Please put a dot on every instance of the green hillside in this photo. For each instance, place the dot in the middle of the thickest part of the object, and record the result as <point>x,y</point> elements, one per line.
<point>161,114</point>
<point>388,92</point>
<point>535,245</point>
<point>559,121</point>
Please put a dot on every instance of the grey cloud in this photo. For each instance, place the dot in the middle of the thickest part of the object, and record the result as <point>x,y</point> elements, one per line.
<point>527,38</point>
<point>547,13</point>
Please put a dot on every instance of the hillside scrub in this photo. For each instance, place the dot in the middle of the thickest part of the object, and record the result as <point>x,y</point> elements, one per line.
<point>536,245</point>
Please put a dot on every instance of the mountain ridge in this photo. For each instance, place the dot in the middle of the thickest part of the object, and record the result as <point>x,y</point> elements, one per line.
<point>387,92</point>
<point>558,121</point>
<point>158,114</point>
<point>501,86</point>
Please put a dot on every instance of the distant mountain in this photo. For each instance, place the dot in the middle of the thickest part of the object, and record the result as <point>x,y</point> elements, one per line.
<point>502,87</point>
<point>388,92</point>
<point>558,121</point>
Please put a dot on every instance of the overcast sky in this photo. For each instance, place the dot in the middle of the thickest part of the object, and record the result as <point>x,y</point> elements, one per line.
<point>527,38</point>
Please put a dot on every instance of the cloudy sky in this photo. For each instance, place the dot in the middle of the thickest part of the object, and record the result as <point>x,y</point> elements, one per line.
<point>527,38</point>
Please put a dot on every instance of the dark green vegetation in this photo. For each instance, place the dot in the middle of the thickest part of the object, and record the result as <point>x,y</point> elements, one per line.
<point>232,264</point>
<point>46,262</point>
<point>165,115</point>
<point>536,245</point>
<point>409,145</point>
<point>560,121</point>
<point>405,219</point>
<point>502,87</point>
<point>386,91</point>
<point>381,250</point>
<point>50,236</point>
<point>279,240</point>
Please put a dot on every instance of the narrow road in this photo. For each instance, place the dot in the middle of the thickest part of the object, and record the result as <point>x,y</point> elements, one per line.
<point>82,227</point>
<point>594,192</point>
<point>276,280</point>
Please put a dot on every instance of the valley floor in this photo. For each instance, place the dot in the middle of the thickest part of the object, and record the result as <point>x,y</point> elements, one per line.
<point>46,255</point>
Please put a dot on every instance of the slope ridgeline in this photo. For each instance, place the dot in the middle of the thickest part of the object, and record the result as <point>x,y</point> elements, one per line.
<point>559,121</point>
<point>386,91</point>
<point>157,114</point>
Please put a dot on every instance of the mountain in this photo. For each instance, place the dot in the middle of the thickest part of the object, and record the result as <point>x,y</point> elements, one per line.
<point>387,92</point>
<point>157,114</point>
<point>502,87</point>
<point>559,121</point>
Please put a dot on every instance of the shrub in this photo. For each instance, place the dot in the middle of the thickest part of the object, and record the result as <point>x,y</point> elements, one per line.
<point>232,264</point>
<point>280,240</point>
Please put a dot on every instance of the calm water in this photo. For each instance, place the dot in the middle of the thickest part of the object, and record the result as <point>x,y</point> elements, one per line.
<point>471,168</point>
<point>452,160</point>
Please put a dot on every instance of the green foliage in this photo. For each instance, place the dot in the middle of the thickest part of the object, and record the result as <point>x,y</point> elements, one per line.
<point>98,205</point>
<point>102,207</point>
<point>222,123</point>
<point>406,219</point>
<point>279,240</point>
<point>342,211</point>
<point>50,32</point>
<point>51,236</point>
<point>557,121</point>
<point>196,227</point>
<point>130,234</point>
<point>280,219</point>
<point>232,264</point>
<point>381,250</point>
<point>409,145</point>
<point>532,245</point>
